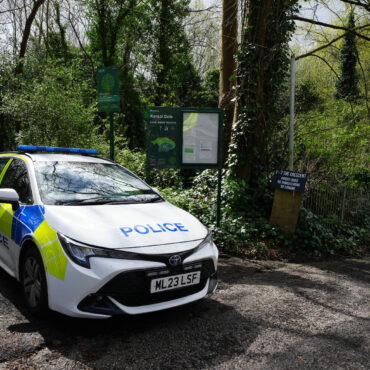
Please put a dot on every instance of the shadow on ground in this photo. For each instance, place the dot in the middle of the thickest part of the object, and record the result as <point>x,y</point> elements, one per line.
<point>190,336</point>
<point>314,320</point>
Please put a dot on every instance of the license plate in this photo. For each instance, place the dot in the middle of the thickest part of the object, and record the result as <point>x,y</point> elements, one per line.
<point>173,282</point>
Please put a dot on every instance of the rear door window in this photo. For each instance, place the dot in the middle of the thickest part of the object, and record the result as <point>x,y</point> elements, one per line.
<point>16,177</point>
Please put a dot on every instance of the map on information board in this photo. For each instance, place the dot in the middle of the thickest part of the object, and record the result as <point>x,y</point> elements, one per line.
<point>200,138</point>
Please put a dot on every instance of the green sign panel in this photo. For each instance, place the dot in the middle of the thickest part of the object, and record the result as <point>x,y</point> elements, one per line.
<point>184,137</point>
<point>164,135</point>
<point>108,90</point>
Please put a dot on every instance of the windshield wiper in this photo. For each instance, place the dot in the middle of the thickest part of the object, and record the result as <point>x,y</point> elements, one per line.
<point>154,200</point>
<point>105,200</point>
<point>135,200</point>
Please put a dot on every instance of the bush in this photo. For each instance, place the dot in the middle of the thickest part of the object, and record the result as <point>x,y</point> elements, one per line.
<point>53,109</point>
<point>317,237</point>
<point>245,229</point>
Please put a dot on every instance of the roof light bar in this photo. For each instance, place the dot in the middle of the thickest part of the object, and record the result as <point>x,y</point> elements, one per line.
<point>50,149</point>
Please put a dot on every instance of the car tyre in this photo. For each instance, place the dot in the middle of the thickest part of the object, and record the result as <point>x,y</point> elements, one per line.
<point>33,281</point>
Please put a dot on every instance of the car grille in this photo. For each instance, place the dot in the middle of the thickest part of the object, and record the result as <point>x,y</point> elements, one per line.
<point>132,288</point>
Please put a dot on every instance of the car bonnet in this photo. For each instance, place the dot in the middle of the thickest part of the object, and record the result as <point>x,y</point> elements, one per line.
<point>124,226</point>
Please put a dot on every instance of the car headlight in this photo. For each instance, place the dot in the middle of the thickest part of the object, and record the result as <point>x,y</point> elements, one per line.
<point>81,253</point>
<point>207,240</point>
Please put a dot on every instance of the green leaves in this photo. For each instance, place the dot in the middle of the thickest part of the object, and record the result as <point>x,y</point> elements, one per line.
<point>55,110</point>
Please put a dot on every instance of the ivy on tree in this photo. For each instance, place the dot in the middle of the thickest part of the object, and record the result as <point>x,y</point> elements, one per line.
<point>347,83</point>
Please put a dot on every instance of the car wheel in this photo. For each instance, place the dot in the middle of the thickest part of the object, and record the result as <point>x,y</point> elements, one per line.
<point>33,282</point>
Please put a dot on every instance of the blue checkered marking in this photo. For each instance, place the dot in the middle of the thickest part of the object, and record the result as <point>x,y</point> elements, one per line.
<point>25,220</point>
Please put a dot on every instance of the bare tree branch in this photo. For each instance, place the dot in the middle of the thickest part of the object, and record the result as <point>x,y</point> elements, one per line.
<point>328,44</point>
<point>204,10</point>
<point>327,63</point>
<point>330,26</point>
<point>358,3</point>
<point>10,10</point>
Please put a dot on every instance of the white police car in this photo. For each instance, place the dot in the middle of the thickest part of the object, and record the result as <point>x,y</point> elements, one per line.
<point>87,238</point>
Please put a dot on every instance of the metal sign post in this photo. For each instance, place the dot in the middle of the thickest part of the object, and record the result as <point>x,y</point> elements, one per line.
<point>109,98</point>
<point>291,117</point>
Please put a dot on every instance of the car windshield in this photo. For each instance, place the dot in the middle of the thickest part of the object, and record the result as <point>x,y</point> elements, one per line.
<point>82,183</point>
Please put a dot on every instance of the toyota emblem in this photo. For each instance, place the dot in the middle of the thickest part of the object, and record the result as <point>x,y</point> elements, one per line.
<point>175,260</point>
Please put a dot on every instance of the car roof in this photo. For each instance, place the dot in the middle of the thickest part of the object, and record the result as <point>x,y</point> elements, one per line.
<point>57,157</point>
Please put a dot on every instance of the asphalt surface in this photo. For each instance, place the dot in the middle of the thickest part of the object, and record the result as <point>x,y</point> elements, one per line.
<point>265,315</point>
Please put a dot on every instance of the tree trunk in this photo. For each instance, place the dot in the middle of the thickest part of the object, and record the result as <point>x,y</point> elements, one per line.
<point>26,35</point>
<point>229,45</point>
<point>163,59</point>
<point>262,66</point>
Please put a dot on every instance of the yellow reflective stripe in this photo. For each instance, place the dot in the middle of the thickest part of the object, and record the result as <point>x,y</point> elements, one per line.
<point>52,252</point>
<point>6,219</point>
<point>15,156</point>
<point>57,266</point>
<point>45,234</point>
<point>4,170</point>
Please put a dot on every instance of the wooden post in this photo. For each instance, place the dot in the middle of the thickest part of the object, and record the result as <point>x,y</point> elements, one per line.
<point>285,210</point>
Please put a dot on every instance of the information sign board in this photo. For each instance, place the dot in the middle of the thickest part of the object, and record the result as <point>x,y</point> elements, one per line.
<point>164,130</point>
<point>184,137</point>
<point>108,90</point>
<point>200,142</point>
<point>287,180</point>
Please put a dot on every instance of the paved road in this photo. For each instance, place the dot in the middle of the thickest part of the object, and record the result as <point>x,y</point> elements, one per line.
<point>265,315</point>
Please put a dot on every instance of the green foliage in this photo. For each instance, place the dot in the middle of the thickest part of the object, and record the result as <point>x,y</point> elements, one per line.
<point>347,84</point>
<point>307,97</point>
<point>54,109</point>
<point>133,160</point>
<point>245,229</point>
<point>105,27</point>
<point>132,120</point>
<point>7,127</point>
<point>175,79</point>
<point>316,237</point>
<point>333,143</point>
<point>208,96</point>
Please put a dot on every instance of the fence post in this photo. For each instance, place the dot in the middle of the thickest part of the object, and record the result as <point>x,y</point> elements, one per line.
<point>291,116</point>
<point>343,204</point>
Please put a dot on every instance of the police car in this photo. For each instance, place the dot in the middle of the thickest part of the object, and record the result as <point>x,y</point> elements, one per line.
<point>86,237</point>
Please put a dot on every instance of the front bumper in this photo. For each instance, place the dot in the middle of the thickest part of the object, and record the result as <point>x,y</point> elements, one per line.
<point>113,287</point>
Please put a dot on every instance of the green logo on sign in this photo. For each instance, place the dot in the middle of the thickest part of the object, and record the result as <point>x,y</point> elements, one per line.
<point>164,144</point>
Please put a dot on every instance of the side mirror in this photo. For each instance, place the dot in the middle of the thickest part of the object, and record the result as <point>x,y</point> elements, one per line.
<point>10,196</point>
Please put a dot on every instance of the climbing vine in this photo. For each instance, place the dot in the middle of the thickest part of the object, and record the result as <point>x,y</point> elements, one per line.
<point>263,61</point>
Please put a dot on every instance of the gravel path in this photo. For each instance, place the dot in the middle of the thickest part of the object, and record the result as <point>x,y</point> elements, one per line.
<point>265,315</point>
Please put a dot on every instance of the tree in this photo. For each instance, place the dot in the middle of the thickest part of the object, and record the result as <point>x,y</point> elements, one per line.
<point>174,75</point>
<point>262,68</point>
<point>52,109</point>
<point>26,34</point>
<point>229,46</point>
<point>347,83</point>
<point>107,16</point>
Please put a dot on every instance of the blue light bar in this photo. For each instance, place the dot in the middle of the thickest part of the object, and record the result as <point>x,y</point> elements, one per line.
<point>50,149</point>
